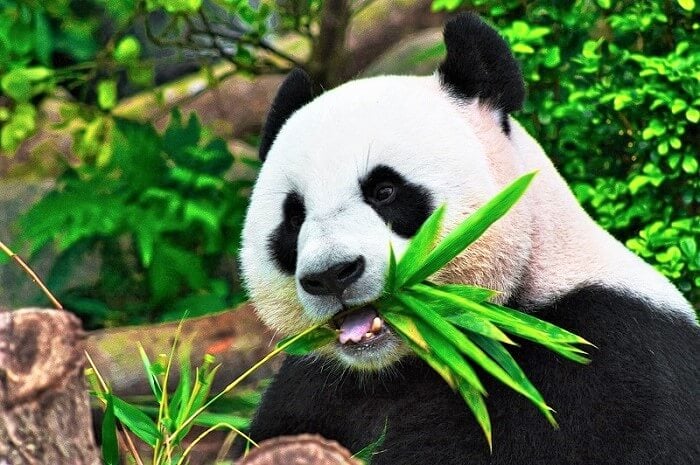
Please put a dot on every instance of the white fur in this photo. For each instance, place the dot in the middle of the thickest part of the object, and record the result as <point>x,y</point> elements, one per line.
<point>570,249</point>
<point>545,247</point>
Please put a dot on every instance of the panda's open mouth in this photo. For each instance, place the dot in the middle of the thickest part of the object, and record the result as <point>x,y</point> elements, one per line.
<point>360,327</point>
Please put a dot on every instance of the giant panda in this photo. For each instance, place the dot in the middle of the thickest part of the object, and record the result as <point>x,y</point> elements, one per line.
<point>351,170</point>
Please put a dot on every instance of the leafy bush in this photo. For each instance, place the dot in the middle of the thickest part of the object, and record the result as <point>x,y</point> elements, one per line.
<point>160,214</point>
<point>614,98</point>
<point>100,51</point>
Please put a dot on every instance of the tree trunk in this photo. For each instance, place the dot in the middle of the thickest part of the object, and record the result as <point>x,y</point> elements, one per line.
<point>44,405</point>
<point>329,52</point>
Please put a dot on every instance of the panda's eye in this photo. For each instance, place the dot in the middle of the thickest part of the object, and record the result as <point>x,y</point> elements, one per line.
<point>384,193</point>
<point>294,213</point>
<point>295,221</point>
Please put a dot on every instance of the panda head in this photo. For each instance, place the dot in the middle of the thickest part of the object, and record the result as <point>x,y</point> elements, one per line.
<point>355,169</point>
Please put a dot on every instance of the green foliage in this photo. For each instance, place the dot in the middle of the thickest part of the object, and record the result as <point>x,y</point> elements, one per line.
<point>452,326</point>
<point>162,217</point>
<point>366,454</point>
<point>95,49</point>
<point>614,99</point>
<point>156,210</point>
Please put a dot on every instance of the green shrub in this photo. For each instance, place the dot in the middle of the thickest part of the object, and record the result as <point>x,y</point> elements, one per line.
<point>614,98</point>
<point>161,216</point>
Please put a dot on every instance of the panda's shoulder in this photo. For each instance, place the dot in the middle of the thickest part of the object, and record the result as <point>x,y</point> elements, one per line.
<point>602,312</point>
<point>628,332</point>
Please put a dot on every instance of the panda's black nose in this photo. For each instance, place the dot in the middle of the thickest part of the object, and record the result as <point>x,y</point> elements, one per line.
<point>334,280</point>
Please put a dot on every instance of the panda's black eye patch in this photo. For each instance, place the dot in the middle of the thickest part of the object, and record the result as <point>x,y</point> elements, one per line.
<point>283,240</point>
<point>402,205</point>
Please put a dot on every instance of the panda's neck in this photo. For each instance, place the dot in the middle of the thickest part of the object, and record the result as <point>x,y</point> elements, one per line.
<point>569,250</point>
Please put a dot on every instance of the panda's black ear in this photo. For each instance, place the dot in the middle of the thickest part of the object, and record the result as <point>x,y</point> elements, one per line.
<point>296,91</point>
<point>479,64</point>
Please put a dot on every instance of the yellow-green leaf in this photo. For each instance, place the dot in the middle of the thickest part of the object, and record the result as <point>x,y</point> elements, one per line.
<point>688,5</point>
<point>475,402</point>
<point>127,50</point>
<point>107,94</point>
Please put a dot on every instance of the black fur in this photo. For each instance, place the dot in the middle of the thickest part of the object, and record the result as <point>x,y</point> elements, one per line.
<point>479,64</point>
<point>409,209</point>
<point>635,404</point>
<point>296,91</point>
<point>283,240</point>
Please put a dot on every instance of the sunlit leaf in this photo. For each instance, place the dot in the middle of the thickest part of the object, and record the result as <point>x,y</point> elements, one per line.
<point>445,350</point>
<point>150,373</point>
<point>420,246</point>
<point>471,229</point>
<point>136,421</point>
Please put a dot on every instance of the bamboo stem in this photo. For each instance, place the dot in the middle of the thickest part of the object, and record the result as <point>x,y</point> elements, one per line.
<point>32,275</point>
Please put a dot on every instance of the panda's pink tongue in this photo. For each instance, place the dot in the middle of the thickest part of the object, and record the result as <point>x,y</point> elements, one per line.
<point>356,325</point>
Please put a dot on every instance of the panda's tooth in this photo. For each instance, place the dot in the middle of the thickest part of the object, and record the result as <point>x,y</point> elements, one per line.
<point>368,335</point>
<point>376,324</point>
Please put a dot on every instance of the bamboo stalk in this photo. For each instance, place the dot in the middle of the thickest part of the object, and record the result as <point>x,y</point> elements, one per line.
<point>32,275</point>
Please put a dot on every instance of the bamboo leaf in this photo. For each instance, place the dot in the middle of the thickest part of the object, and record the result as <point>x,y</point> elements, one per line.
<point>310,342</point>
<point>391,283</point>
<point>531,328</point>
<point>450,356</point>
<point>136,421</point>
<point>501,356</point>
<point>473,293</point>
<point>204,384</point>
<point>471,229</point>
<point>366,453</point>
<point>407,327</point>
<point>479,325</point>
<point>150,373</point>
<point>110,445</point>
<point>464,319</point>
<point>477,405</point>
<point>420,246</point>
<point>209,419</point>
<point>464,345</point>
<point>572,353</point>
<point>518,323</point>
<point>436,364</point>
<point>181,396</point>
